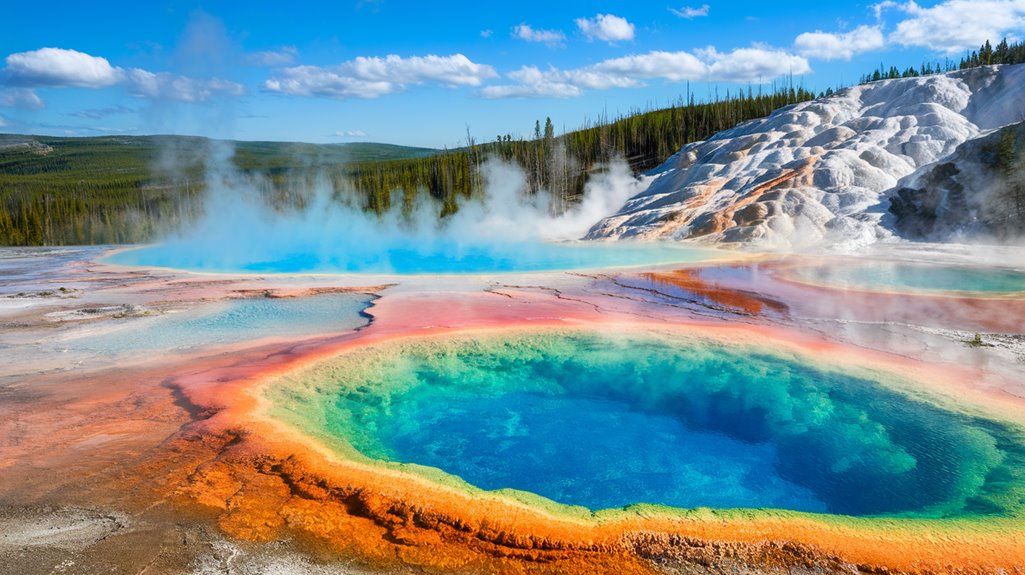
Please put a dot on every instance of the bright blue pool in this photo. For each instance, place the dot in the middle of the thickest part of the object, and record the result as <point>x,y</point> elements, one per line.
<point>431,256</point>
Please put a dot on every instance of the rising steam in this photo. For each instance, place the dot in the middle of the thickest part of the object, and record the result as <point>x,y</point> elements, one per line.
<point>505,230</point>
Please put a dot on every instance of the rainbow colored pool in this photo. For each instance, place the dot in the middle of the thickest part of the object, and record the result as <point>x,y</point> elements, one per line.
<point>719,414</point>
<point>589,419</point>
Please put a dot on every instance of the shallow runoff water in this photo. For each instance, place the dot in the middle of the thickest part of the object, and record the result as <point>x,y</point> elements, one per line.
<point>907,276</point>
<point>225,323</point>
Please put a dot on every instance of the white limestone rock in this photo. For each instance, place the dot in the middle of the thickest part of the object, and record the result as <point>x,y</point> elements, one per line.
<point>820,170</point>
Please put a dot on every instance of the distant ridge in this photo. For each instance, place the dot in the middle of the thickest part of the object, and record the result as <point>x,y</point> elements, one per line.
<point>355,151</point>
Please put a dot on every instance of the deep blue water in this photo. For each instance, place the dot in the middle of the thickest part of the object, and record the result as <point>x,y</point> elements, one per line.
<point>430,256</point>
<point>595,452</point>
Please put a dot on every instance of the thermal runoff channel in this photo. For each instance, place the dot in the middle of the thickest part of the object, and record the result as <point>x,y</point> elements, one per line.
<point>587,419</point>
<point>504,230</point>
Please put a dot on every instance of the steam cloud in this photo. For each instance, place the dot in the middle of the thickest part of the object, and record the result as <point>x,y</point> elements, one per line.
<point>506,229</point>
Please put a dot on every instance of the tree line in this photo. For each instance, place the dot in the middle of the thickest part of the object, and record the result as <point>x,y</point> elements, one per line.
<point>986,55</point>
<point>562,164</point>
<point>1010,167</point>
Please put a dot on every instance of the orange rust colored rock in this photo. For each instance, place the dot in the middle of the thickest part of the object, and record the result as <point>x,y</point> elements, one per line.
<point>701,194</point>
<point>725,218</point>
<point>253,511</point>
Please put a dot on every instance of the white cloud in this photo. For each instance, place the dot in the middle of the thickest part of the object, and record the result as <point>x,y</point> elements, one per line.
<point>60,67</point>
<point>166,86</point>
<point>3,122</point>
<point>456,70</point>
<point>885,5</point>
<point>606,27</point>
<point>486,33</point>
<point>270,58</point>
<point>350,134</point>
<point>672,66</point>
<point>842,46</point>
<point>315,81</point>
<point>531,82</point>
<point>752,65</point>
<point>690,12</point>
<point>373,77</point>
<point>20,98</point>
<point>956,25</point>
<point>548,37</point>
<point>539,90</point>
<point>742,65</point>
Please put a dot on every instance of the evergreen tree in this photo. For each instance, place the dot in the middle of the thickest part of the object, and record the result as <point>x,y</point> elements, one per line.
<point>986,54</point>
<point>1005,152</point>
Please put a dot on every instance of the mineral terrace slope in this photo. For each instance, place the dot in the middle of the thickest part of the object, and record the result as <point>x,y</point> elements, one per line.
<point>819,170</point>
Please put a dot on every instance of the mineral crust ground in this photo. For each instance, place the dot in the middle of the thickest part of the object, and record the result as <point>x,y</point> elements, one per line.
<point>127,447</point>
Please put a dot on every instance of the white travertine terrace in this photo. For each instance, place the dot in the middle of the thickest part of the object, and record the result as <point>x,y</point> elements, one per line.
<point>821,170</point>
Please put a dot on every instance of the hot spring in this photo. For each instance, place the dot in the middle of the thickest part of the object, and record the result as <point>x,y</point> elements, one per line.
<point>504,229</point>
<point>600,421</point>
<point>429,256</point>
<point>908,276</point>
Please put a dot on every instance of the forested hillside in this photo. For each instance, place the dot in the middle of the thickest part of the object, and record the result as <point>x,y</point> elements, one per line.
<point>562,164</point>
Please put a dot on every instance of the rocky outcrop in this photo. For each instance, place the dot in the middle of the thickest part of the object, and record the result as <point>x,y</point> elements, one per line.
<point>977,192</point>
<point>822,170</point>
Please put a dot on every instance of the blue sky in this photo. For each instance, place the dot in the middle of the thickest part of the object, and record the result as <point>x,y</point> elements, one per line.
<point>423,73</point>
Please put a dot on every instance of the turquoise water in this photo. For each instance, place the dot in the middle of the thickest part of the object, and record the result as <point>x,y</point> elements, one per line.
<point>430,256</point>
<point>606,422</point>
<point>600,452</point>
<point>910,276</point>
<point>227,322</point>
